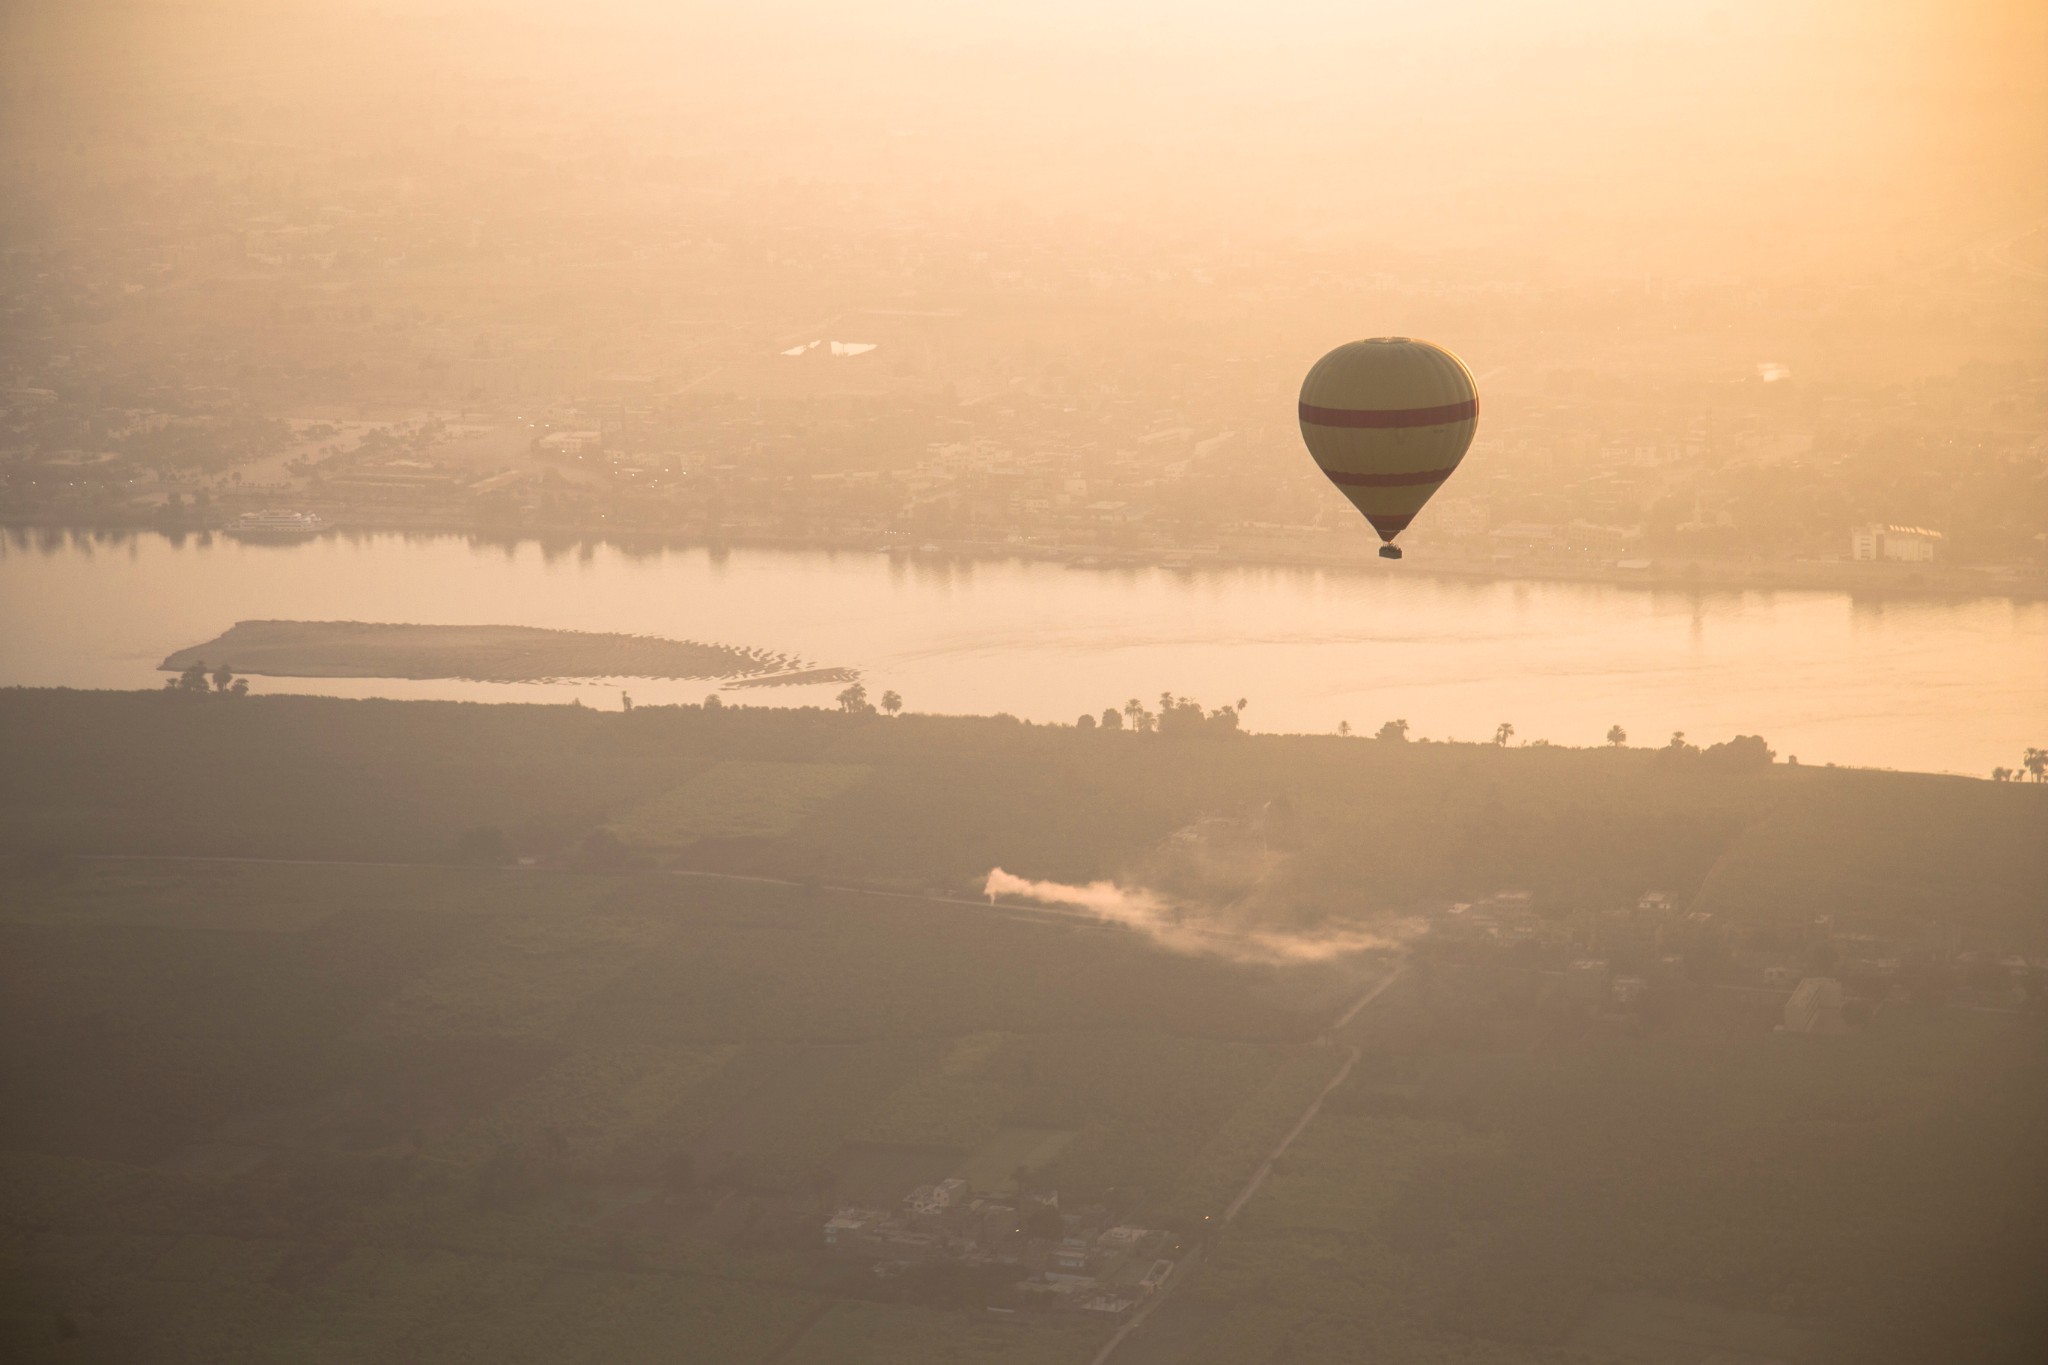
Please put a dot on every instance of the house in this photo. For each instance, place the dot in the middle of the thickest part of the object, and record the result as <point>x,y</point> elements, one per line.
<point>848,1225</point>
<point>1525,538</point>
<point>1073,1256</point>
<point>932,1199</point>
<point>575,444</point>
<point>1900,544</point>
<point>1605,542</point>
<point>1459,519</point>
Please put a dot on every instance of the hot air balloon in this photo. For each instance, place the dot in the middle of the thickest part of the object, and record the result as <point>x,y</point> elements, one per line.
<point>1388,420</point>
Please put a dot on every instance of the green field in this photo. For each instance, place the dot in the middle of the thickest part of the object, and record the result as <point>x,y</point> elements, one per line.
<point>205,1298</point>
<point>470,1082</point>
<point>430,1113</point>
<point>995,1163</point>
<point>933,802</point>
<point>1530,1188</point>
<point>737,798</point>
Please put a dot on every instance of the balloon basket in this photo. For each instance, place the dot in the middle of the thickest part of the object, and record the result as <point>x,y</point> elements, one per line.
<point>1390,552</point>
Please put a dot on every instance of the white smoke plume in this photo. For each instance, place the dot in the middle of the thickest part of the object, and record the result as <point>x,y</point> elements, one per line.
<point>1196,931</point>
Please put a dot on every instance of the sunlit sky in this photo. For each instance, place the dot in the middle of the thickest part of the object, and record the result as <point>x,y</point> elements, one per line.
<point>1696,137</point>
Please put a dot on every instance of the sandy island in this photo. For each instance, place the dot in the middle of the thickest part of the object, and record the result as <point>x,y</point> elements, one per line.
<point>357,649</point>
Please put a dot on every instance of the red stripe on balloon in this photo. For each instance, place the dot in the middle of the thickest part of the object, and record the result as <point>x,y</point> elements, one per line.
<point>1390,417</point>
<point>1408,480</point>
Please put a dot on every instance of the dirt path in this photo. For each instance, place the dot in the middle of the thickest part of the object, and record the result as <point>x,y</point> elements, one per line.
<point>1185,1270</point>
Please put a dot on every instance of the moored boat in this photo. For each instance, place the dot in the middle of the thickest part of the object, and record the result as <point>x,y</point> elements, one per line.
<point>273,523</point>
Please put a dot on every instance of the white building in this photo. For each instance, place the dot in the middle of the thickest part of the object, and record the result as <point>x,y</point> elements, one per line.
<point>1607,542</point>
<point>575,444</point>
<point>1901,544</point>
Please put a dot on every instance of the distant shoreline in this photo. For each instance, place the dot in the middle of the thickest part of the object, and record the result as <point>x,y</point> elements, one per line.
<point>1659,573</point>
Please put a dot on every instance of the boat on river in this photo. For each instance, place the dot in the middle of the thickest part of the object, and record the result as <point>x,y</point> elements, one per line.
<point>277,524</point>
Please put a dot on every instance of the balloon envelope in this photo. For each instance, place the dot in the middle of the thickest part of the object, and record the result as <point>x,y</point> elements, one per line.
<point>1388,420</point>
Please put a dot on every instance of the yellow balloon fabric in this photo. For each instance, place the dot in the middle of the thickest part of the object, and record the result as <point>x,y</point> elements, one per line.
<point>1388,420</point>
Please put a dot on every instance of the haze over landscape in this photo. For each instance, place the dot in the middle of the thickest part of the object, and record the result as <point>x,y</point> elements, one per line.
<point>675,683</point>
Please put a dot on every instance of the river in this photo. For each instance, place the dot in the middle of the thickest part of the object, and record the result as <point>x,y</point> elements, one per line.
<point>1909,683</point>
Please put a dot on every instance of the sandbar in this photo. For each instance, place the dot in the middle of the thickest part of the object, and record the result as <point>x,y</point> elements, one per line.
<point>360,649</point>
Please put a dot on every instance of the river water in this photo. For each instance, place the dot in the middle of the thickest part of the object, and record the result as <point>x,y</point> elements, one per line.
<point>1910,683</point>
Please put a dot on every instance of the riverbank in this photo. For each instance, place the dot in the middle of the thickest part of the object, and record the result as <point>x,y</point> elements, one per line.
<point>1306,548</point>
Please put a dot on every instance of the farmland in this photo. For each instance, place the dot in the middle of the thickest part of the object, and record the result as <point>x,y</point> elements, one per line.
<point>1497,1181</point>
<point>368,1031</point>
<point>737,798</point>
<point>480,1097</point>
<point>925,802</point>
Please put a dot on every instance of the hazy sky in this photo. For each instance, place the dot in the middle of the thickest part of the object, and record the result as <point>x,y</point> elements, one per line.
<point>1697,138</point>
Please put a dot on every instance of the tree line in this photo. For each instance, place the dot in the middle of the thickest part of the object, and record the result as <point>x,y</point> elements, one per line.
<point>197,680</point>
<point>1181,717</point>
<point>2034,766</point>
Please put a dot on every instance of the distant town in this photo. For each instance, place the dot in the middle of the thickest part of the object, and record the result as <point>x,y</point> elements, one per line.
<point>911,474</point>
<point>312,347</point>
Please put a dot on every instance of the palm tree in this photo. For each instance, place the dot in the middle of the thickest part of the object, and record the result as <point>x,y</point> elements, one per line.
<point>891,703</point>
<point>2001,774</point>
<point>1503,733</point>
<point>1344,727</point>
<point>854,700</point>
<point>1616,736</point>
<point>2036,763</point>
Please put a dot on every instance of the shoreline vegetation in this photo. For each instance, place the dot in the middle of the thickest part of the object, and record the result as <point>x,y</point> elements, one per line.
<point>1268,551</point>
<point>483,653</point>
